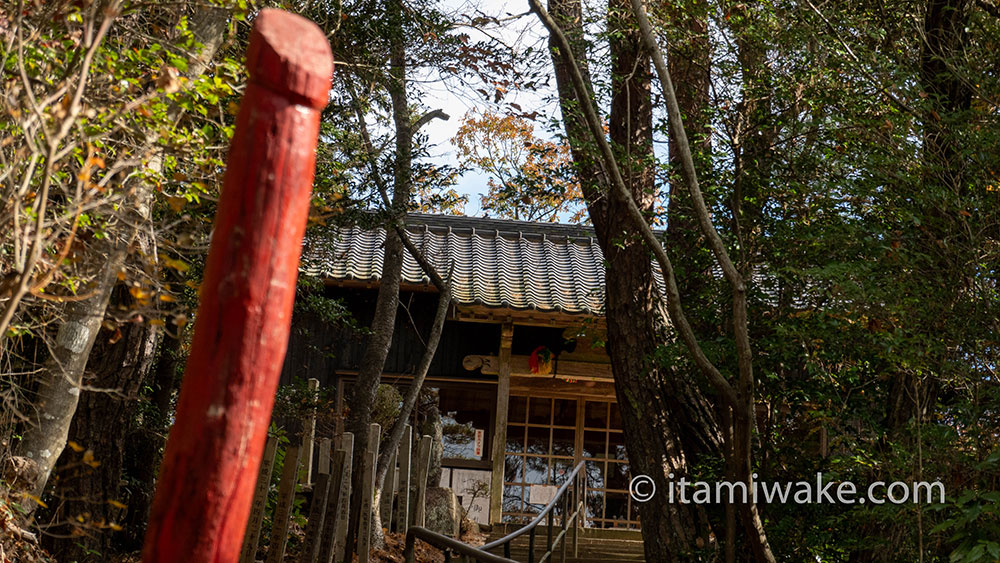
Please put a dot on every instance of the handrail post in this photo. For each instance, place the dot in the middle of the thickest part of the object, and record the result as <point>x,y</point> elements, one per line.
<point>551,524</point>
<point>563,524</point>
<point>409,551</point>
<point>580,503</point>
<point>531,545</point>
<point>565,511</point>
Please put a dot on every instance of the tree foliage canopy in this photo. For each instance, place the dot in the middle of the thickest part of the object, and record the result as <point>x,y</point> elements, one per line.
<point>849,152</point>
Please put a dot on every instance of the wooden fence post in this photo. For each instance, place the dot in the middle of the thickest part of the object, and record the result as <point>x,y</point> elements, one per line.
<point>368,492</point>
<point>309,435</point>
<point>252,535</point>
<point>403,504</point>
<point>213,453</point>
<point>283,508</point>
<point>317,513</point>
<point>423,467</point>
<point>340,551</point>
<point>324,455</point>
<point>329,532</point>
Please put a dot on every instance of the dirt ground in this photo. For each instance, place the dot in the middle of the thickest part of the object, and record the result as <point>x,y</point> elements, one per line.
<point>394,544</point>
<point>15,549</point>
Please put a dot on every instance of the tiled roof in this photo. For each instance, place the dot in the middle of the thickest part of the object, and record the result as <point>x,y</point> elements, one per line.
<point>545,267</point>
<point>496,263</point>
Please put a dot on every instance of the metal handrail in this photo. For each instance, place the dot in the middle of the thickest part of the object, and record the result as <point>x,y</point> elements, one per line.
<point>448,544</point>
<point>538,519</point>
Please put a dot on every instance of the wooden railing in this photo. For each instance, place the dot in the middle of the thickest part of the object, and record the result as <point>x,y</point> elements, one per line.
<point>570,494</point>
<point>326,529</point>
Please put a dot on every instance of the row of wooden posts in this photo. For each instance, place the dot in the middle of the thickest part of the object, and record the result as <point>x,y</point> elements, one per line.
<point>327,523</point>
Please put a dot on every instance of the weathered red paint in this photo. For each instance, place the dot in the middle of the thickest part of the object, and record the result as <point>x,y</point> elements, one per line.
<point>213,453</point>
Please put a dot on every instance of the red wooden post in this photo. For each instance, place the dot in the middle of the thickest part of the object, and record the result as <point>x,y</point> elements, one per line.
<point>214,450</point>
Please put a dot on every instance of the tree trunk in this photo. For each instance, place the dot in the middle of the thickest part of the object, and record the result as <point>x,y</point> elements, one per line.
<point>101,424</point>
<point>383,324</point>
<point>62,375</point>
<point>690,67</point>
<point>686,409</point>
<point>669,424</point>
<point>395,435</point>
<point>742,404</point>
<point>144,444</point>
<point>372,362</point>
<point>949,96</point>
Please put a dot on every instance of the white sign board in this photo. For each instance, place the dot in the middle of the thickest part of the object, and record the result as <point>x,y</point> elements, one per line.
<point>542,494</point>
<point>472,488</point>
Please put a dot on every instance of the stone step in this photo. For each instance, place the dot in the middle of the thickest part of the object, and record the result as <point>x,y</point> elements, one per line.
<point>594,547</point>
<point>626,553</point>
<point>588,558</point>
<point>590,550</point>
<point>583,557</point>
<point>501,530</point>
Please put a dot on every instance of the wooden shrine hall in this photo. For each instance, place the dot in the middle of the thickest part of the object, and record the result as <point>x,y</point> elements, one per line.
<point>522,382</point>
